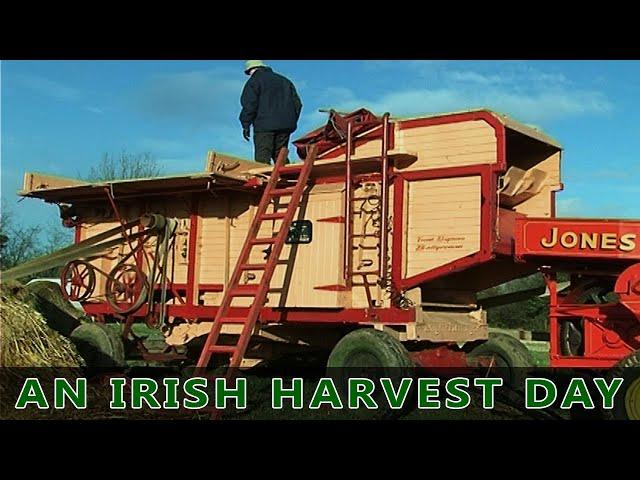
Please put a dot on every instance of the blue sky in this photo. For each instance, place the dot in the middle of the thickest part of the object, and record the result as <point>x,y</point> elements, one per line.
<point>60,117</point>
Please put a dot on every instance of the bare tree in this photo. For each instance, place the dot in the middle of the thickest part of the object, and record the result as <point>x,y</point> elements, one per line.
<point>126,165</point>
<point>20,243</point>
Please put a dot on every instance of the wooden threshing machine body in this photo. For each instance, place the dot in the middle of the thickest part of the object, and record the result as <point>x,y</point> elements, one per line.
<point>457,182</point>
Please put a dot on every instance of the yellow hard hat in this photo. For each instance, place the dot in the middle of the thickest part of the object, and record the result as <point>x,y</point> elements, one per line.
<point>250,64</point>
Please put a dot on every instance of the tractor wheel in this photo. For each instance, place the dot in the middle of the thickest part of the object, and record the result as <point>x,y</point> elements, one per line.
<point>372,354</point>
<point>99,345</point>
<point>508,356</point>
<point>627,403</point>
<point>369,348</point>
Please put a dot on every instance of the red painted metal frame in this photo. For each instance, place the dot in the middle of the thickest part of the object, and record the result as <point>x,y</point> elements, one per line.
<point>505,243</point>
<point>338,219</point>
<point>611,331</point>
<point>375,134</point>
<point>627,288</point>
<point>498,127</point>
<point>532,232</point>
<point>384,187</point>
<point>277,315</point>
<point>202,287</point>
<point>440,357</point>
<point>489,209</point>
<point>192,282</point>
<point>327,138</point>
<point>348,210</point>
<point>488,214</point>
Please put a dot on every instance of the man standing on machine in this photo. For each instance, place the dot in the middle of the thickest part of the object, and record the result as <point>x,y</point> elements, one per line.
<point>271,104</point>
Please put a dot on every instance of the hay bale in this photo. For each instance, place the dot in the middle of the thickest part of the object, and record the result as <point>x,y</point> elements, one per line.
<point>25,338</point>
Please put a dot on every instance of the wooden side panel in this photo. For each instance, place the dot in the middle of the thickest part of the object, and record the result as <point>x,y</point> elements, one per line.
<point>537,206</point>
<point>449,145</point>
<point>242,208</point>
<point>541,205</point>
<point>438,146</point>
<point>317,264</point>
<point>443,223</point>
<point>372,148</point>
<point>212,241</point>
<point>37,181</point>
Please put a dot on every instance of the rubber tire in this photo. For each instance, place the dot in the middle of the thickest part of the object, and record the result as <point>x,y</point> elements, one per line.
<point>629,369</point>
<point>510,352</point>
<point>388,351</point>
<point>391,360</point>
<point>99,345</point>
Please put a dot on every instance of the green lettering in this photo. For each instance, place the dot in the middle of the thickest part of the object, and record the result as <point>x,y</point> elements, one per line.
<point>396,399</point>
<point>117,393</point>
<point>63,390</point>
<point>197,397</point>
<point>171,393</point>
<point>577,392</point>
<point>532,385</point>
<point>361,390</point>
<point>427,393</point>
<point>144,389</point>
<point>461,398</point>
<point>608,392</point>
<point>325,392</point>
<point>239,394</point>
<point>278,393</point>
<point>31,393</point>
<point>488,386</point>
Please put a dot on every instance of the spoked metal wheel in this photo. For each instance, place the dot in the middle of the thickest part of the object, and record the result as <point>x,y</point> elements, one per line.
<point>78,280</point>
<point>127,288</point>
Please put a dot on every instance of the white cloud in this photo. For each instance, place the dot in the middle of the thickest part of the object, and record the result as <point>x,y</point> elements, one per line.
<point>95,110</point>
<point>475,77</point>
<point>196,97</point>
<point>571,207</point>
<point>49,88</point>
<point>529,107</point>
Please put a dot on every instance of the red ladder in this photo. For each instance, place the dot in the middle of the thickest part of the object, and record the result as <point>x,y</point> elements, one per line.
<point>257,291</point>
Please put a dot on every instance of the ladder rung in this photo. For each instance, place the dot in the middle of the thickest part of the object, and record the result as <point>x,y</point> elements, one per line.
<point>273,216</point>
<point>244,291</point>
<point>279,192</point>
<point>225,320</point>
<point>230,349</point>
<point>253,266</point>
<point>262,241</point>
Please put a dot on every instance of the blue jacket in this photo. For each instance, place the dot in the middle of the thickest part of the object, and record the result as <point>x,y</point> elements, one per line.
<point>269,102</point>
